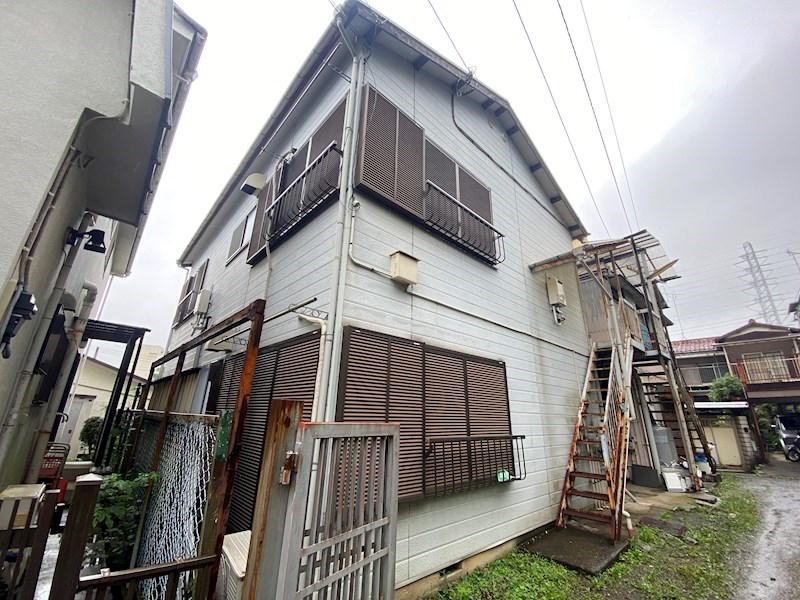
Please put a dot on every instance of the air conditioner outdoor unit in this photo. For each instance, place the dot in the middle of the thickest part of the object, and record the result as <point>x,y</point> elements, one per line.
<point>232,565</point>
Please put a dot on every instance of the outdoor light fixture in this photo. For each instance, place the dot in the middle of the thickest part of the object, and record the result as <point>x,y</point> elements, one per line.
<point>95,243</point>
<point>254,183</point>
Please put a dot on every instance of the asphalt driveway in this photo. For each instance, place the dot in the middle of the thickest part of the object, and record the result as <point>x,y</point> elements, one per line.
<point>770,567</point>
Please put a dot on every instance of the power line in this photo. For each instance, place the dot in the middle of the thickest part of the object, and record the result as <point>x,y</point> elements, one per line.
<point>438,18</point>
<point>594,114</point>
<point>611,116</point>
<point>560,118</point>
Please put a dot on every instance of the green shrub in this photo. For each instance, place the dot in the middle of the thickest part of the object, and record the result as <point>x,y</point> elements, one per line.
<point>90,433</point>
<point>726,388</point>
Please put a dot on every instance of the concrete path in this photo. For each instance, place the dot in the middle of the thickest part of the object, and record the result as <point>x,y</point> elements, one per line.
<point>771,565</point>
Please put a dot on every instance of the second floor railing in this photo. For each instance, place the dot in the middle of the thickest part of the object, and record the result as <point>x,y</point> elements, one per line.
<point>307,192</point>
<point>462,226</point>
<point>768,369</point>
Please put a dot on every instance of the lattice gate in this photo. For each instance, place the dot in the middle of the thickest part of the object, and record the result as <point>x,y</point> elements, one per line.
<point>341,527</point>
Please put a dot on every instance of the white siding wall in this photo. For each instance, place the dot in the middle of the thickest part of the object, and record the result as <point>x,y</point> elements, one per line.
<point>301,266</point>
<point>545,363</point>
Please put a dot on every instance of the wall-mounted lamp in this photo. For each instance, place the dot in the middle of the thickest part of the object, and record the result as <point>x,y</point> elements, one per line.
<point>254,183</point>
<point>95,237</point>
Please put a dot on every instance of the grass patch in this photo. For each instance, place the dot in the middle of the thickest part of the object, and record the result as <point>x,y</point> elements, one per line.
<point>657,565</point>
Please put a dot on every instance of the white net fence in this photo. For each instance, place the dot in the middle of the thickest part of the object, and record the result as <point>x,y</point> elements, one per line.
<point>174,518</point>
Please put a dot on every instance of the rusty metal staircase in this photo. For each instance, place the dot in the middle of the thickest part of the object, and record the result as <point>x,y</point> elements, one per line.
<point>594,483</point>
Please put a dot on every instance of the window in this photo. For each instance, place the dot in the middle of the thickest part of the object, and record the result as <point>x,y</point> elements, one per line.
<point>400,166</point>
<point>241,235</point>
<point>191,288</point>
<point>301,185</point>
<point>455,425</point>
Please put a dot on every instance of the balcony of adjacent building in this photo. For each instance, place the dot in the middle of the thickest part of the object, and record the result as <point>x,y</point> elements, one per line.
<point>769,376</point>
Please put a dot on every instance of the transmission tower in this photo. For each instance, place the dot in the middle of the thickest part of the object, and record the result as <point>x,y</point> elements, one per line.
<point>760,285</point>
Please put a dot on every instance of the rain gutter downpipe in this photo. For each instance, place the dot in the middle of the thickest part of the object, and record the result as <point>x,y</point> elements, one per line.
<point>317,407</point>
<point>333,350</point>
<point>48,414</point>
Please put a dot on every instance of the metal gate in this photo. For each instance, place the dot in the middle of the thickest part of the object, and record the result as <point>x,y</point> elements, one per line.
<point>341,525</point>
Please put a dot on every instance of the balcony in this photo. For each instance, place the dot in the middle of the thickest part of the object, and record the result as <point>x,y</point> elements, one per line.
<point>313,186</point>
<point>458,464</point>
<point>461,226</point>
<point>768,369</point>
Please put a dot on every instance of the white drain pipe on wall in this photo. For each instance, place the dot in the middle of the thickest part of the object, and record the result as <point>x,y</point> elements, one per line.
<point>48,414</point>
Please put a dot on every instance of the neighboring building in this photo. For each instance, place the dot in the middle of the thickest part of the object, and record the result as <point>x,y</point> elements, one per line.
<point>92,392</point>
<point>150,353</point>
<point>766,359</point>
<point>92,93</point>
<point>410,210</point>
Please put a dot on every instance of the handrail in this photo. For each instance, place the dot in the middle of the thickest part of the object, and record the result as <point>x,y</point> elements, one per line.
<point>463,206</point>
<point>332,146</point>
<point>142,573</point>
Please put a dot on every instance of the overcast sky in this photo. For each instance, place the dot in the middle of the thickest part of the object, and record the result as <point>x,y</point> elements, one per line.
<point>704,95</point>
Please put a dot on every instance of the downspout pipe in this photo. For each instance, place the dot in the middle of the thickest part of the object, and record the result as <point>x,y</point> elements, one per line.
<point>333,351</point>
<point>317,409</point>
<point>12,414</point>
<point>74,337</point>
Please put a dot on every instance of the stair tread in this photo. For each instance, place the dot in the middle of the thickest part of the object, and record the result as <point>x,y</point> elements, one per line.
<point>587,494</point>
<point>581,440</point>
<point>592,427</point>
<point>582,514</point>
<point>588,457</point>
<point>588,475</point>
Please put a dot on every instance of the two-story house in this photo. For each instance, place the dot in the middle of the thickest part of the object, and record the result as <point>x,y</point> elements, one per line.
<point>407,200</point>
<point>91,94</point>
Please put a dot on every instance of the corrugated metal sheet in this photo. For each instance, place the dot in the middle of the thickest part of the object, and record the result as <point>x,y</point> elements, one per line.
<point>183,395</point>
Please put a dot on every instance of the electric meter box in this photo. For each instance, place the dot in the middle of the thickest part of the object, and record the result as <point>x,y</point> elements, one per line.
<point>555,292</point>
<point>404,268</point>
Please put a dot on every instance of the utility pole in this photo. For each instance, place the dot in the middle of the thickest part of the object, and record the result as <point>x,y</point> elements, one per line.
<point>760,285</point>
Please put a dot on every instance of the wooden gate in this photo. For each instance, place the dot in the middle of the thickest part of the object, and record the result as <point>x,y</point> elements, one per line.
<point>325,524</point>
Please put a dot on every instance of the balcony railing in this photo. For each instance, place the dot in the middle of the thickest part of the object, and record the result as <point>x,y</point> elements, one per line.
<point>458,464</point>
<point>768,369</point>
<point>461,226</point>
<point>701,375</point>
<point>311,188</point>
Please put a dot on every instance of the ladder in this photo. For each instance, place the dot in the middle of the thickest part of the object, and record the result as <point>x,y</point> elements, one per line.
<point>598,459</point>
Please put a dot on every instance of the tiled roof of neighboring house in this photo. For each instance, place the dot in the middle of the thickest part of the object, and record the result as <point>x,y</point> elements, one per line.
<point>706,344</point>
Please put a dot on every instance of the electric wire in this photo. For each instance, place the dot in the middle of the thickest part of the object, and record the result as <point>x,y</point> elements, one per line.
<point>447,33</point>
<point>594,114</point>
<point>560,117</point>
<point>611,117</point>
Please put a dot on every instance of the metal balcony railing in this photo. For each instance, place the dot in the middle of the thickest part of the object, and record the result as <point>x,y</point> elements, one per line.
<point>461,226</point>
<point>768,369</point>
<point>307,192</point>
<point>458,464</point>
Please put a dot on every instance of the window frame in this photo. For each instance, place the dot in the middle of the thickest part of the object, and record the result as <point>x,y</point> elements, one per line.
<point>245,229</point>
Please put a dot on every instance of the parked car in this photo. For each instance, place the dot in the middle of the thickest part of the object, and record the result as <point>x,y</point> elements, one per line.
<point>787,427</point>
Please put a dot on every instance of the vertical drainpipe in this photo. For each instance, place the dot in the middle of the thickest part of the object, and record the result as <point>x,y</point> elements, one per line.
<point>45,425</point>
<point>333,350</point>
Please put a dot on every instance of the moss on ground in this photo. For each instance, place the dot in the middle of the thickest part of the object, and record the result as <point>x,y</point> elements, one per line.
<point>656,565</point>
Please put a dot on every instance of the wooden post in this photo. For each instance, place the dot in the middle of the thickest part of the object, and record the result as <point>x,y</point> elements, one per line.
<point>46,511</point>
<point>272,498</point>
<point>237,430</point>
<point>73,542</point>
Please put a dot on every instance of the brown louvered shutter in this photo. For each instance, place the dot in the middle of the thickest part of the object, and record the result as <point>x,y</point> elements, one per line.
<point>478,199</point>
<point>288,207</point>
<point>445,417</point>
<point>296,373</point>
<point>410,183</point>
<point>288,371</point>
<point>330,131</point>
<point>378,156</point>
<point>258,239</point>
<point>440,170</point>
<point>382,382</point>
<point>488,398</point>
<point>406,393</point>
